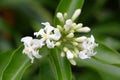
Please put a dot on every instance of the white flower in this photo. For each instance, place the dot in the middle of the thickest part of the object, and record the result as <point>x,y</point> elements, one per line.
<point>86,54</point>
<point>88,48</point>
<point>49,34</point>
<point>31,47</point>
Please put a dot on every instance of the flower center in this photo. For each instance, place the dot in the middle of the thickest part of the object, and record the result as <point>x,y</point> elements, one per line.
<point>45,36</point>
<point>27,51</point>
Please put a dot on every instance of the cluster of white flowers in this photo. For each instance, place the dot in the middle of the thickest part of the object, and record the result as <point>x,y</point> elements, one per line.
<point>63,36</point>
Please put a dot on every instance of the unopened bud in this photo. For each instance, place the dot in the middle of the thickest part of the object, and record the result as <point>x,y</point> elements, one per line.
<point>76,50</point>
<point>60,17</point>
<point>58,44</point>
<point>70,35</point>
<point>62,54</point>
<point>72,62</point>
<point>81,39</point>
<point>76,14</point>
<point>65,49</point>
<point>59,27</point>
<point>68,24</point>
<point>65,15</point>
<point>75,43</point>
<point>69,54</point>
<point>84,29</point>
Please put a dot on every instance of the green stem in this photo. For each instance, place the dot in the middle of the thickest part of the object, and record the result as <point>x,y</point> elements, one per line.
<point>61,65</point>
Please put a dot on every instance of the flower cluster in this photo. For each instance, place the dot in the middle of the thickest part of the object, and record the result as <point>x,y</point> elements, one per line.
<point>63,36</point>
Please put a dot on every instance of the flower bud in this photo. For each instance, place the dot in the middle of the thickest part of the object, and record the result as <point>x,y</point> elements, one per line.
<point>59,27</point>
<point>84,29</point>
<point>68,24</point>
<point>81,39</point>
<point>69,54</point>
<point>65,49</point>
<point>62,54</point>
<point>65,15</point>
<point>72,62</point>
<point>60,17</point>
<point>57,43</point>
<point>75,43</point>
<point>70,35</point>
<point>76,14</point>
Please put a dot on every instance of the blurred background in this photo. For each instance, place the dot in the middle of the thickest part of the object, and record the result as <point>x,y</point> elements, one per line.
<point>19,18</point>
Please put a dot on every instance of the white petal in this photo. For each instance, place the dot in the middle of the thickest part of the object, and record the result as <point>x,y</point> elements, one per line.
<point>26,40</point>
<point>56,35</point>
<point>41,32</point>
<point>45,23</point>
<point>48,28</point>
<point>83,55</point>
<point>36,54</point>
<point>49,44</point>
<point>91,39</point>
<point>31,57</point>
<point>37,43</point>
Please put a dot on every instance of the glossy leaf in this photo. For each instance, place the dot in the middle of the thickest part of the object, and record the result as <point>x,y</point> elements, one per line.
<point>111,28</point>
<point>17,66</point>
<point>5,58</point>
<point>100,67</point>
<point>45,69</point>
<point>107,55</point>
<point>68,6</point>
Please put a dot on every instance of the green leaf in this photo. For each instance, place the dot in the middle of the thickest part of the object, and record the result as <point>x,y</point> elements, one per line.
<point>68,6</point>
<point>110,28</point>
<point>17,66</point>
<point>45,69</point>
<point>106,62</point>
<point>112,43</point>
<point>107,55</point>
<point>4,61</point>
<point>100,67</point>
<point>61,66</point>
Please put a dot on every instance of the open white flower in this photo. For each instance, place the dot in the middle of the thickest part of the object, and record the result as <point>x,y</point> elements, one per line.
<point>86,54</point>
<point>88,48</point>
<point>31,47</point>
<point>49,34</point>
